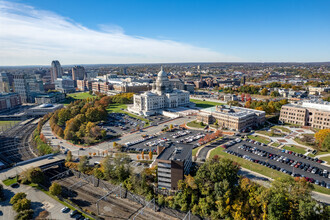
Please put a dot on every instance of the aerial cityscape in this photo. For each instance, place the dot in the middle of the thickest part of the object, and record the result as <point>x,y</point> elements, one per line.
<point>164,109</point>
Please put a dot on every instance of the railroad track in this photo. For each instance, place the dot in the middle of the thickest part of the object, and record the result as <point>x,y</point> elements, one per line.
<point>112,208</point>
<point>15,143</point>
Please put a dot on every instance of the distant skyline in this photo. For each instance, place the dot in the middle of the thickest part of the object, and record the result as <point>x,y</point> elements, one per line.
<point>35,32</point>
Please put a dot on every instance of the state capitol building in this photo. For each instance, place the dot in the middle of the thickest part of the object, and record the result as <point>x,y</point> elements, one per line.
<point>161,96</point>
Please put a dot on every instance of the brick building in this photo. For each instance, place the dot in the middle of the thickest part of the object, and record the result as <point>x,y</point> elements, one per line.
<point>9,101</point>
<point>174,161</point>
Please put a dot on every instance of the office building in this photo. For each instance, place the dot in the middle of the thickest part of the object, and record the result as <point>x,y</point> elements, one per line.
<point>232,117</point>
<point>78,73</point>
<point>315,114</point>
<point>64,85</point>
<point>9,101</point>
<point>56,70</point>
<point>50,98</point>
<point>21,87</point>
<point>4,83</point>
<point>174,161</point>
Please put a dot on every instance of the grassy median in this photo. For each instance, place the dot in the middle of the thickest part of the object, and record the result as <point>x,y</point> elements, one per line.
<point>260,139</point>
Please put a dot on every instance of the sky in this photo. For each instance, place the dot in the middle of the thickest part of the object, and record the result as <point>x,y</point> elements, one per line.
<point>35,32</point>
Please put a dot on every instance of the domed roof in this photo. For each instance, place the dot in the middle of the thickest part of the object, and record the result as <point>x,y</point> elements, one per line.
<point>162,73</point>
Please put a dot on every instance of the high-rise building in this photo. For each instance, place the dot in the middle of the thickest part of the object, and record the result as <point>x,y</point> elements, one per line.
<point>4,83</point>
<point>21,87</point>
<point>56,71</point>
<point>78,73</point>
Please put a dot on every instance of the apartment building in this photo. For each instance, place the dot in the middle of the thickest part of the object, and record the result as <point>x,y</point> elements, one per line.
<point>174,161</point>
<point>315,114</point>
<point>232,117</point>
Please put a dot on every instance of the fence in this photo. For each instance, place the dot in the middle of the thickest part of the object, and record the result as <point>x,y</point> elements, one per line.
<point>129,195</point>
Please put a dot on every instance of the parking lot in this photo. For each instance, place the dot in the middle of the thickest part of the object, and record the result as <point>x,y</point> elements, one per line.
<point>291,163</point>
<point>119,123</point>
<point>151,142</point>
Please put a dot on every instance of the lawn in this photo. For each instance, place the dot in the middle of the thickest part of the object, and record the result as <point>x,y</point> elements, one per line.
<point>259,168</point>
<point>194,151</point>
<point>195,124</point>
<point>299,141</point>
<point>205,104</point>
<point>9,181</point>
<point>270,134</point>
<point>326,159</point>
<point>276,144</point>
<point>260,139</point>
<point>282,129</point>
<point>295,148</point>
<point>7,124</point>
<point>117,108</point>
<point>81,95</point>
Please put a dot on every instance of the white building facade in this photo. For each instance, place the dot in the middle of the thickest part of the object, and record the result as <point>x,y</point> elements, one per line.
<point>161,96</point>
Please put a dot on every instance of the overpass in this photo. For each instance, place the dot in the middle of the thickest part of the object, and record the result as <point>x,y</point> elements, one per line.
<point>43,163</point>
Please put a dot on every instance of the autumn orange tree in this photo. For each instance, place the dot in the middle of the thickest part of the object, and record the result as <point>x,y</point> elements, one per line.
<point>322,137</point>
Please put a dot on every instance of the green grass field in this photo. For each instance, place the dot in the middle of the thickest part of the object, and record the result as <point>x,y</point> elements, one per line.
<point>8,182</point>
<point>117,108</point>
<point>270,134</point>
<point>195,124</point>
<point>327,158</point>
<point>7,124</point>
<point>205,104</point>
<point>276,144</point>
<point>260,139</point>
<point>299,141</point>
<point>295,148</point>
<point>81,95</point>
<point>259,168</point>
<point>282,128</point>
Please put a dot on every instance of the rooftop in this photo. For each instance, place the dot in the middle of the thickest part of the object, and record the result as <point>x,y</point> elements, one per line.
<point>177,152</point>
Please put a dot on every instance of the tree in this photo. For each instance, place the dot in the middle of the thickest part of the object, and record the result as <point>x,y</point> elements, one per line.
<point>264,91</point>
<point>275,94</point>
<point>171,126</point>
<point>150,155</point>
<point>42,215</point>
<point>55,189</point>
<point>26,215</point>
<point>69,156</point>
<point>142,155</point>
<point>321,135</point>
<point>22,204</point>
<point>326,143</point>
<point>35,175</point>
<point>2,195</point>
<point>83,163</point>
<point>16,197</point>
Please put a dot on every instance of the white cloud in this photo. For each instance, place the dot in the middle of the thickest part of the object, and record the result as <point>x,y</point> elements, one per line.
<point>29,37</point>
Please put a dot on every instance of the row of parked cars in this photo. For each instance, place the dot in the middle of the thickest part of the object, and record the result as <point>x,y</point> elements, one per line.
<point>302,156</point>
<point>293,163</point>
<point>181,133</point>
<point>74,214</point>
<point>190,139</point>
<point>156,142</point>
<point>127,144</point>
<point>266,164</point>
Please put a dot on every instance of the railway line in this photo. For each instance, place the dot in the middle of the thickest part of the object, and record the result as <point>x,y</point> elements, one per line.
<point>112,207</point>
<point>14,143</point>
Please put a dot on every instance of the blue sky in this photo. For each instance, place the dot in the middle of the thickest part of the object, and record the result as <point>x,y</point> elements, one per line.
<point>166,31</point>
